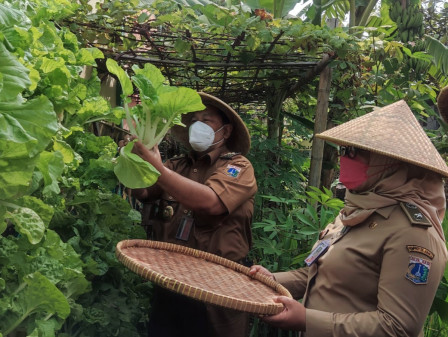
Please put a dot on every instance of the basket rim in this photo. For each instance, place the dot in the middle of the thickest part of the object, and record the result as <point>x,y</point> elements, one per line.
<point>194,291</point>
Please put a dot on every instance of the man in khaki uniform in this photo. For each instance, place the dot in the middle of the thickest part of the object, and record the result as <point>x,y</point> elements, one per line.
<point>205,201</point>
<point>375,270</point>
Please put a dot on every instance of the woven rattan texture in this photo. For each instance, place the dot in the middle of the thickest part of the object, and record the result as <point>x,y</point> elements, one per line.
<point>202,276</point>
<point>392,131</point>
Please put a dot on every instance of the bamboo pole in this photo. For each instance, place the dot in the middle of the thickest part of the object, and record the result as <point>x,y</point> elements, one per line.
<point>320,125</point>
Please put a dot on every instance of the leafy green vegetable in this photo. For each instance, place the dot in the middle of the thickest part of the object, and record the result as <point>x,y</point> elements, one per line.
<point>161,107</point>
<point>60,216</point>
<point>15,75</point>
<point>138,167</point>
<point>39,293</point>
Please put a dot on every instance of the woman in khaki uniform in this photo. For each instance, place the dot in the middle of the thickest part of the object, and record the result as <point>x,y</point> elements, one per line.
<point>375,269</point>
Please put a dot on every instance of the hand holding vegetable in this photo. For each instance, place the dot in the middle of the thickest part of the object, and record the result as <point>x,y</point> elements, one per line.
<point>150,155</point>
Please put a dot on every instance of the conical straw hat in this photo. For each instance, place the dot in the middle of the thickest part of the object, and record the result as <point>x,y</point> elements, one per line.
<point>392,131</point>
<point>442,103</point>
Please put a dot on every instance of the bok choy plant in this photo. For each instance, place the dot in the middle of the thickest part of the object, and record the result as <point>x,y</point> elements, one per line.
<point>161,108</point>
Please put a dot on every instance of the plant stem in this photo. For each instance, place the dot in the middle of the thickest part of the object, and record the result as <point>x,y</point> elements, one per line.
<point>8,204</point>
<point>17,323</point>
<point>129,119</point>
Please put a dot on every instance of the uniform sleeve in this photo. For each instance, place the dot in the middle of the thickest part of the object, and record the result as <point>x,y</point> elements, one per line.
<point>233,182</point>
<point>295,281</point>
<point>403,304</point>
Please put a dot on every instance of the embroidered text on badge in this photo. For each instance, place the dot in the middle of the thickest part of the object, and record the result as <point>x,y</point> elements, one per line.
<point>233,171</point>
<point>418,270</point>
<point>419,249</point>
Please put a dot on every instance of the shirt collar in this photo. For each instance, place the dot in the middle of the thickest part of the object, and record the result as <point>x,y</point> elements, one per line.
<point>386,211</point>
<point>211,156</point>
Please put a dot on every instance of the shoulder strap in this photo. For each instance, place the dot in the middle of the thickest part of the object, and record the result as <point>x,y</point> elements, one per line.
<point>414,214</point>
<point>229,155</point>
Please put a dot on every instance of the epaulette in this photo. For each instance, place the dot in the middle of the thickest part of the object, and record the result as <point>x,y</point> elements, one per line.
<point>229,155</point>
<point>415,216</point>
<point>180,156</point>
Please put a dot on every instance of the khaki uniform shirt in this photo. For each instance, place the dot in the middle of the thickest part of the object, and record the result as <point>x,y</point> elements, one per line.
<point>231,176</point>
<point>377,279</point>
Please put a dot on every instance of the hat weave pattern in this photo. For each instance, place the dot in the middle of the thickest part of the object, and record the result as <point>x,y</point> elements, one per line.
<point>392,131</point>
<point>203,276</point>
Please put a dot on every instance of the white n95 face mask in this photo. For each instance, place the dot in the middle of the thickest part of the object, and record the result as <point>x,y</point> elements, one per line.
<point>201,136</point>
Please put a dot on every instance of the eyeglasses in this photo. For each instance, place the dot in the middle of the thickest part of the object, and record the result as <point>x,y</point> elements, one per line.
<point>349,151</point>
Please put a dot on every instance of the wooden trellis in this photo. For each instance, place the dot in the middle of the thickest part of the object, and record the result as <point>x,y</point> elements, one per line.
<point>219,64</point>
<point>233,73</point>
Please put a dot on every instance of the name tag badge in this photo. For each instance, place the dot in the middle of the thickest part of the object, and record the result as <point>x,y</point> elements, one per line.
<point>184,229</point>
<point>317,252</point>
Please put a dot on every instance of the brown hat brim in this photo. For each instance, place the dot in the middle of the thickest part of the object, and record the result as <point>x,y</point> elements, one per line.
<point>239,140</point>
<point>442,104</point>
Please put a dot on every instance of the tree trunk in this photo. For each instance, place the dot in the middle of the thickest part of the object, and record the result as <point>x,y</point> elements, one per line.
<point>320,125</point>
<point>330,162</point>
<point>274,103</point>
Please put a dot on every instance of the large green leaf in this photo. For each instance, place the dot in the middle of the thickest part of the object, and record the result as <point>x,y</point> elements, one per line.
<point>15,75</point>
<point>178,101</point>
<point>28,223</point>
<point>10,19</point>
<point>125,82</point>
<point>51,165</point>
<point>218,15</point>
<point>41,294</point>
<point>26,127</point>
<point>148,94</point>
<point>44,211</point>
<point>152,73</point>
<point>133,171</point>
<point>15,177</point>
<point>440,54</point>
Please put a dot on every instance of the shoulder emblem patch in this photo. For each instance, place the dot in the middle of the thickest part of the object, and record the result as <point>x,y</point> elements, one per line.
<point>420,249</point>
<point>418,270</point>
<point>233,171</point>
<point>414,214</point>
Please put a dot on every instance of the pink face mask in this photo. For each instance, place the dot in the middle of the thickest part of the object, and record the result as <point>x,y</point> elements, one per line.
<point>353,172</point>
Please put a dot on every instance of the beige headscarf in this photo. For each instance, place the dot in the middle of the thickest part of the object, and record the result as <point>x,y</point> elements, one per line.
<point>401,182</point>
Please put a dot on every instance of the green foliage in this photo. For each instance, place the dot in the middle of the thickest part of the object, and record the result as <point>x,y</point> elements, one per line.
<point>60,217</point>
<point>287,218</point>
<point>278,8</point>
<point>289,227</point>
<point>440,55</point>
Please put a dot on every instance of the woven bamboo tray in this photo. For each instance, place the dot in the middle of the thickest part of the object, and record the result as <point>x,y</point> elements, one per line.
<point>203,276</point>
